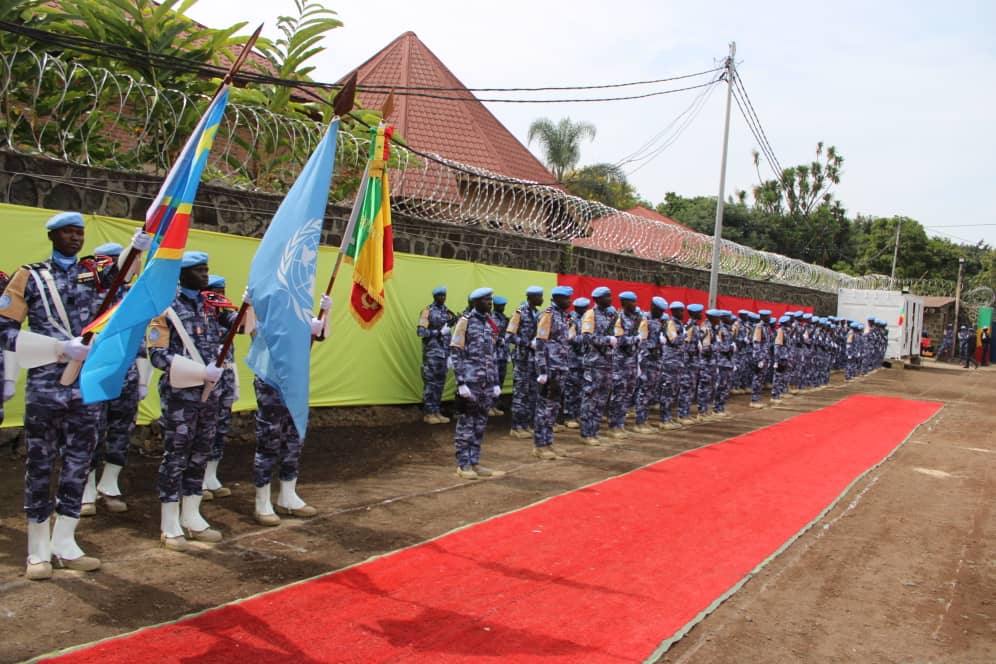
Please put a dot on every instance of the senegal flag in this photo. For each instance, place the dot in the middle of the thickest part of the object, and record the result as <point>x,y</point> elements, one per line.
<point>371,247</point>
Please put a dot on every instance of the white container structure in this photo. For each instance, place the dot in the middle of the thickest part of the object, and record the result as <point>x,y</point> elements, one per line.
<point>902,311</point>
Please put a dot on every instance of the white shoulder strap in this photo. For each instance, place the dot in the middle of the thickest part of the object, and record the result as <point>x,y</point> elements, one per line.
<point>41,275</point>
<point>188,343</point>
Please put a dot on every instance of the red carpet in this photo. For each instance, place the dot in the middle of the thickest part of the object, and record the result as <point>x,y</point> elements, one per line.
<point>602,574</point>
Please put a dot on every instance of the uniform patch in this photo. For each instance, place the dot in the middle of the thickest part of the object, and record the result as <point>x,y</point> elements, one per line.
<point>153,334</point>
<point>4,301</point>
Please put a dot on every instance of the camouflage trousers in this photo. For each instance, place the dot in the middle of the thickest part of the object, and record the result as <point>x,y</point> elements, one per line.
<point>524,394</point>
<point>118,421</point>
<point>548,406</point>
<point>706,387</point>
<point>189,429</point>
<point>757,382</point>
<point>572,393</point>
<point>472,420</point>
<point>688,382</point>
<point>779,383</point>
<point>853,365</point>
<point>502,366</point>
<point>670,377</point>
<point>226,398</point>
<point>70,432</point>
<point>433,380</point>
<point>649,390</point>
<point>624,385</point>
<point>724,383</point>
<point>595,397</point>
<point>277,439</point>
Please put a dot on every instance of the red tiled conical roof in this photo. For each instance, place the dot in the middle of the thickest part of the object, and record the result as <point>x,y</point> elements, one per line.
<point>463,131</point>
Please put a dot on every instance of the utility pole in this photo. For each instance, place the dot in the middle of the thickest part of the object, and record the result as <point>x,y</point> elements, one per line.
<point>961,268</point>
<point>895,254</point>
<point>717,234</point>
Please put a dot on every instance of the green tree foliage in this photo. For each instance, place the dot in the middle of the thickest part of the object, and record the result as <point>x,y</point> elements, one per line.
<point>561,142</point>
<point>605,183</point>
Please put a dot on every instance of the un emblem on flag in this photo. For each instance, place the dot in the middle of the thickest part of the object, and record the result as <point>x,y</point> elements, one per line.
<point>296,271</point>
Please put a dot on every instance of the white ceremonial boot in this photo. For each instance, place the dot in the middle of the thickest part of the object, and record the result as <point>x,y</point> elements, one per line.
<point>108,489</point>
<point>194,525</point>
<point>289,503</point>
<point>89,506</point>
<point>211,481</point>
<point>169,523</point>
<point>264,508</point>
<point>66,551</point>
<point>39,550</point>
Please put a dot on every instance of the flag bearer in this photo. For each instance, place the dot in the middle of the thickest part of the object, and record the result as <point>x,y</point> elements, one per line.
<point>58,296</point>
<point>184,344</point>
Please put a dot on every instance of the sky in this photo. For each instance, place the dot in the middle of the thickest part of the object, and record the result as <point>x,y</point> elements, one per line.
<point>904,90</point>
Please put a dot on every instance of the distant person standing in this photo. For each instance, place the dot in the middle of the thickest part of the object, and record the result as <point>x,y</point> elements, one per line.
<point>966,347</point>
<point>985,339</point>
<point>947,344</point>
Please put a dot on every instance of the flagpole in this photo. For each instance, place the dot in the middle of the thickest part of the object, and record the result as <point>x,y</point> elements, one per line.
<point>72,370</point>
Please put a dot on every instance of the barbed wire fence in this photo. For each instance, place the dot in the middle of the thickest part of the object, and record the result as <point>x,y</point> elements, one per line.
<point>54,106</point>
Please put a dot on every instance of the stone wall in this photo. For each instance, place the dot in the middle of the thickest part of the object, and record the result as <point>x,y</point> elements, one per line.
<point>47,183</point>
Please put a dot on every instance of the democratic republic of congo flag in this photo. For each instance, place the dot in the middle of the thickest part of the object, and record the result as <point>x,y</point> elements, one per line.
<point>168,220</point>
<point>371,248</point>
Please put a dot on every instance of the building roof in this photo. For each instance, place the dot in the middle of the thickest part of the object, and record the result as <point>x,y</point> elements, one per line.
<point>459,128</point>
<point>934,301</point>
<point>647,235</point>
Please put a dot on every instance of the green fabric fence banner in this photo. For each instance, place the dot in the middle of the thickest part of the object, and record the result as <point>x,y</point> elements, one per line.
<point>353,367</point>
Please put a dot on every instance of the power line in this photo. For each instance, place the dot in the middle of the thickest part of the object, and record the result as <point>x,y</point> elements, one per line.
<point>769,157</point>
<point>961,226</point>
<point>138,57</point>
<point>739,83</point>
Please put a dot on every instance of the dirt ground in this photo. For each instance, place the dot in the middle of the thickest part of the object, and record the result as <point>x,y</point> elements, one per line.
<point>902,570</point>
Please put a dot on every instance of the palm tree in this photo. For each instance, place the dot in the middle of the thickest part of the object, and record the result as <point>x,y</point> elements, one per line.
<point>561,142</point>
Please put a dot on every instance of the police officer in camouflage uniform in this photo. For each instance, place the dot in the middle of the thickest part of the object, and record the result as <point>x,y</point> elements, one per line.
<point>853,349</point>
<point>626,367</point>
<point>782,353</point>
<point>575,374</point>
<point>119,419</point>
<point>59,296</point>
<point>699,354</point>
<point>762,355</point>
<point>228,393</point>
<point>553,363</point>
<point>724,351</point>
<point>476,375</point>
<point>521,332</point>
<point>651,363</point>
<point>673,365</point>
<point>502,355</point>
<point>598,328</point>
<point>434,331</point>
<point>278,443</point>
<point>184,343</point>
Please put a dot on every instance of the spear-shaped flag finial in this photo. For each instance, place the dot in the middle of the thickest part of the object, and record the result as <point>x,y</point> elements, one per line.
<point>343,103</point>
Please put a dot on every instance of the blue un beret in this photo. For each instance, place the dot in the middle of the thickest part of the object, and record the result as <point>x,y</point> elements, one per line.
<point>439,290</point>
<point>193,259</point>
<point>561,290</point>
<point>108,249</point>
<point>534,290</point>
<point>499,300</point>
<point>628,295</point>
<point>677,304</point>
<point>477,294</point>
<point>784,319</point>
<point>659,302</point>
<point>64,219</point>
<point>216,281</point>
<point>714,312</point>
<point>764,312</point>
<point>582,302</point>
<point>753,316</point>
<point>600,291</point>
<point>695,308</point>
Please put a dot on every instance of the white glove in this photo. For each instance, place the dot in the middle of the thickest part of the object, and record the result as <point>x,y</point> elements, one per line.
<point>245,296</point>
<point>237,394</point>
<point>316,326</point>
<point>9,389</point>
<point>542,378</point>
<point>326,303</point>
<point>444,330</point>
<point>613,341</point>
<point>532,344</point>
<point>212,373</point>
<point>496,391</point>
<point>465,392</point>
<point>734,347</point>
<point>663,339</point>
<point>143,391</point>
<point>449,361</point>
<point>75,349</point>
<point>639,372</point>
<point>141,240</point>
